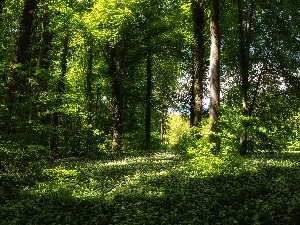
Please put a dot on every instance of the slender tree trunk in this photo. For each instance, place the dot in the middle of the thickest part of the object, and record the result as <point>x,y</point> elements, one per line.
<point>244,51</point>
<point>162,122</point>
<point>43,65</point>
<point>148,102</point>
<point>192,99</point>
<point>45,40</point>
<point>89,89</point>
<point>214,75</point>
<point>199,65</point>
<point>162,129</point>
<point>89,92</point>
<point>97,104</point>
<point>116,100</point>
<point>60,89</point>
<point>42,62</point>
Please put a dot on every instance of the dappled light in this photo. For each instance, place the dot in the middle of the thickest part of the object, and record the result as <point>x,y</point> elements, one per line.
<point>149,112</point>
<point>160,189</point>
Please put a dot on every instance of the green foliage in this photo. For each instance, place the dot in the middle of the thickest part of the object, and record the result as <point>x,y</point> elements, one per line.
<point>18,158</point>
<point>59,174</point>
<point>178,126</point>
<point>231,128</point>
<point>278,123</point>
<point>294,143</point>
<point>159,189</point>
<point>195,142</point>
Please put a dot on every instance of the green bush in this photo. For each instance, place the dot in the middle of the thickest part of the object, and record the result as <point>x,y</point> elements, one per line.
<point>16,158</point>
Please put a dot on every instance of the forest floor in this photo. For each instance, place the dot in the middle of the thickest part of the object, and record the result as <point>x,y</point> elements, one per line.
<point>157,189</point>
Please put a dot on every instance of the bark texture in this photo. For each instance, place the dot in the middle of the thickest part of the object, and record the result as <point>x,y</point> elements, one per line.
<point>17,90</point>
<point>116,99</point>
<point>244,27</point>
<point>214,74</point>
<point>42,62</point>
<point>89,91</point>
<point>199,64</point>
<point>45,39</point>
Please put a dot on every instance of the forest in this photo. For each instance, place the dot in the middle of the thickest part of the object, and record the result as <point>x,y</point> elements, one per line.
<point>149,112</point>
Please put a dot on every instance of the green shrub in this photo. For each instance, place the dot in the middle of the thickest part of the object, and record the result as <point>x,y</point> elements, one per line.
<point>21,158</point>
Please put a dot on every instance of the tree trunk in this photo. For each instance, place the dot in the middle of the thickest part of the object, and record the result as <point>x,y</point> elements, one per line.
<point>42,62</point>
<point>45,40</point>
<point>244,51</point>
<point>162,130</point>
<point>89,92</point>
<point>60,89</point>
<point>116,99</point>
<point>17,89</point>
<point>43,65</point>
<point>148,103</point>
<point>192,100</point>
<point>24,41</point>
<point>214,75</point>
<point>163,121</point>
<point>199,65</point>
<point>89,97</point>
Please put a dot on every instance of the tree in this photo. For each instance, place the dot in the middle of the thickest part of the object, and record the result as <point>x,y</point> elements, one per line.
<point>214,73</point>
<point>199,62</point>
<point>245,30</point>
<point>148,102</point>
<point>88,76</point>
<point>60,89</point>
<point>45,38</point>
<point>17,87</point>
<point>116,98</point>
<point>256,58</point>
<point>43,69</point>
<point>89,89</point>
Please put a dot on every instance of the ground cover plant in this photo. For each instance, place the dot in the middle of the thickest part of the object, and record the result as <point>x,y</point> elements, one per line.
<point>149,112</point>
<point>156,189</point>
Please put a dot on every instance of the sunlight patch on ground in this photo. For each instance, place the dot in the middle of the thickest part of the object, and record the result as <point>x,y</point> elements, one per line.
<point>105,179</point>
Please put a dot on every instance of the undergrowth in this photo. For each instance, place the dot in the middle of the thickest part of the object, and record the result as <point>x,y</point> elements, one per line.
<point>157,189</point>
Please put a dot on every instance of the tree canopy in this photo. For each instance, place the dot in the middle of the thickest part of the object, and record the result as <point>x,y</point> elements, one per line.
<point>91,77</point>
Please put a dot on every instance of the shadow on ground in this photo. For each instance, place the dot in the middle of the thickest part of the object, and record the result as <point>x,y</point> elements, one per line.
<point>158,190</point>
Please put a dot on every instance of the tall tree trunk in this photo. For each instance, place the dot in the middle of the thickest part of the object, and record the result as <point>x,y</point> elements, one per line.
<point>214,73</point>
<point>89,92</point>
<point>162,129</point>
<point>42,62</point>
<point>199,64</point>
<point>45,40</point>
<point>89,97</point>
<point>17,90</point>
<point>162,122</point>
<point>148,102</point>
<point>60,89</point>
<point>192,99</point>
<point>116,99</point>
<point>244,51</point>
<point>22,51</point>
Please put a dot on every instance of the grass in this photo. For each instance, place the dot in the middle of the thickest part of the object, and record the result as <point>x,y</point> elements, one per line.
<point>156,189</point>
